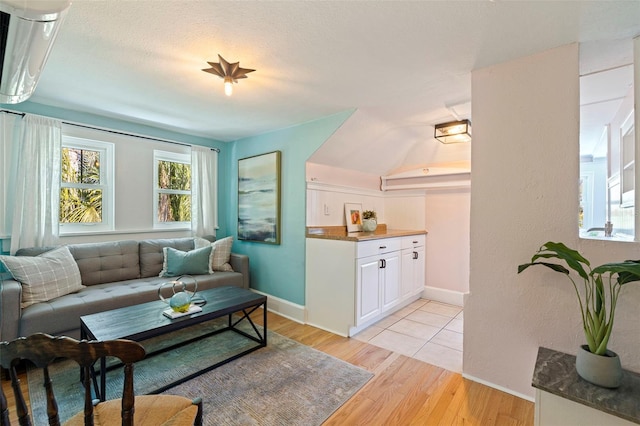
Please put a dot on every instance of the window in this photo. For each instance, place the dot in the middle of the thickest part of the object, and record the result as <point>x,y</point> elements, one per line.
<point>172,190</point>
<point>86,187</point>
<point>607,154</point>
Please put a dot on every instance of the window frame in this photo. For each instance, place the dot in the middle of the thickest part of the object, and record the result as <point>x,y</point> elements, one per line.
<point>107,183</point>
<point>174,157</point>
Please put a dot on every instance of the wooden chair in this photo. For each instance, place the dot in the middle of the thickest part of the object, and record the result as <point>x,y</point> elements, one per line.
<point>42,349</point>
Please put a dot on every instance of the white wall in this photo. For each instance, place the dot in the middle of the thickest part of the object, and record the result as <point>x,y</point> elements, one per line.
<point>447,219</point>
<point>525,171</point>
<point>405,210</point>
<point>134,185</point>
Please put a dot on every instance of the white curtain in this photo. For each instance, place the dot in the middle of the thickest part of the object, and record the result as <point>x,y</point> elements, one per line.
<point>37,185</point>
<point>10,132</point>
<point>204,191</point>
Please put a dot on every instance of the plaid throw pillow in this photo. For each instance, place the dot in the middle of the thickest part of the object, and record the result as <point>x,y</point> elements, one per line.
<point>44,277</point>
<point>221,252</point>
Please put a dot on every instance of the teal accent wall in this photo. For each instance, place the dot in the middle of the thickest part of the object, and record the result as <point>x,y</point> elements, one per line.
<point>279,270</point>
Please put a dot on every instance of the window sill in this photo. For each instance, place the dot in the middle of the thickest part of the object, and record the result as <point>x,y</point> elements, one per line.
<point>124,231</point>
<point>616,237</point>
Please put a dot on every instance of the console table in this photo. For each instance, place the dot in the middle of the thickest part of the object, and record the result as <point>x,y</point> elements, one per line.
<point>563,398</point>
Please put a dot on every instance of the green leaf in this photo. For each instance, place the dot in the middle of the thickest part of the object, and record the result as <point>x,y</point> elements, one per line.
<point>560,251</point>
<point>628,271</point>
<point>554,266</point>
<point>593,303</point>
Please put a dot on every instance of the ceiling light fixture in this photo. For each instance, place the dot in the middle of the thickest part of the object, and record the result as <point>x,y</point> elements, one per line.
<point>229,72</point>
<point>453,132</point>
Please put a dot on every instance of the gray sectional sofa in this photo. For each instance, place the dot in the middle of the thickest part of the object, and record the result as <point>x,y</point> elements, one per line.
<point>116,274</point>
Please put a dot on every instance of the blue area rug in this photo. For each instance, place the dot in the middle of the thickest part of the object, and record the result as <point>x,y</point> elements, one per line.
<point>286,383</point>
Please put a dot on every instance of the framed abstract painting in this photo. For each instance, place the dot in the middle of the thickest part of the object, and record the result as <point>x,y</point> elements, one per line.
<point>259,198</point>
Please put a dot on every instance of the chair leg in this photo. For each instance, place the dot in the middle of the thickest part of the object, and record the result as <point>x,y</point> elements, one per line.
<point>198,419</point>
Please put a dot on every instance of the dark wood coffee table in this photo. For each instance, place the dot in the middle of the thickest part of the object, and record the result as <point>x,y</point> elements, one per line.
<point>141,322</point>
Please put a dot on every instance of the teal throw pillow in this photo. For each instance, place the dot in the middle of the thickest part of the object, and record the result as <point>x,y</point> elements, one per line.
<point>194,262</point>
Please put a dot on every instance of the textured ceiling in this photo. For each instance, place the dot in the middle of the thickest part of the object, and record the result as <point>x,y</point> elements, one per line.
<point>399,64</point>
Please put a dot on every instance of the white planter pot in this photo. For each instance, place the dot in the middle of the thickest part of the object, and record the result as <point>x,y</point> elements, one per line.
<point>369,225</point>
<point>602,370</point>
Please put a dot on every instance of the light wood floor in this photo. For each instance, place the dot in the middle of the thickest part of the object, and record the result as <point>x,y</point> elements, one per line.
<point>404,391</point>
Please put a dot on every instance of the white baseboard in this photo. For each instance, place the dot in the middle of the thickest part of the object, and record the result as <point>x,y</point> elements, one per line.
<point>282,307</point>
<point>443,295</point>
<point>336,332</point>
<point>500,388</point>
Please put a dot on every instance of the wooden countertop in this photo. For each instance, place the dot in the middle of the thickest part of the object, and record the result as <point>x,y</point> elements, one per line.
<point>340,233</point>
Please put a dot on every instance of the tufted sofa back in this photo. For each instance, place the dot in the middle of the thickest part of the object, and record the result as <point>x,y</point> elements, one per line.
<point>99,263</point>
<point>111,261</point>
<point>152,257</point>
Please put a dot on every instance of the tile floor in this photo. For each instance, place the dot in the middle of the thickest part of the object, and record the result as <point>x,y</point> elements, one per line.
<point>426,330</point>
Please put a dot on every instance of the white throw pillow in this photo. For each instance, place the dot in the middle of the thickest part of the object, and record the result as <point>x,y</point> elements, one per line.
<point>46,276</point>
<point>221,252</point>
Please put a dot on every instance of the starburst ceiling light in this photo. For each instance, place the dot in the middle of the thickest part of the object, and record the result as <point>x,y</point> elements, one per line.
<point>453,132</point>
<point>229,72</point>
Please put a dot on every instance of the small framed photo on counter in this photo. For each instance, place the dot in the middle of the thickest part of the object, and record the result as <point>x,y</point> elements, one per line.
<point>353,217</point>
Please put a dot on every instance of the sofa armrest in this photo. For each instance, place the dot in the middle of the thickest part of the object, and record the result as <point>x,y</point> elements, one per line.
<point>10,297</point>
<point>240,263</point>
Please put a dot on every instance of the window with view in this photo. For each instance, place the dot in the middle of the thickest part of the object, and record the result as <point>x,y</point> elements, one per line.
<point>172,189</point>
<point>85,187</point>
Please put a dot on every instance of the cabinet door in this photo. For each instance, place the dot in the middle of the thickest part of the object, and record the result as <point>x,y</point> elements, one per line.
<point>413,272</point>
<point>407,279</point>
<point>368,289</point>
<point>419,270</point>
<point>390,272</point>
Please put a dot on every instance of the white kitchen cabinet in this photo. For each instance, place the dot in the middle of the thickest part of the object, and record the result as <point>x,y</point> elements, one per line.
<point>413,265</point>
<point>351,285</point>
<point>390,277</point>
<point>368,301</point>
<point>378,285</point>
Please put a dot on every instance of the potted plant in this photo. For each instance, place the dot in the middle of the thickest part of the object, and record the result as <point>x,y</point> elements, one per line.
<point>597,297</point>
<point>369,221</point>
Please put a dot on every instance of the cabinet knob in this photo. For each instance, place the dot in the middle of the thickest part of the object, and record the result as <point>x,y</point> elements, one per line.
<point>382,247</point>
<point>415,254</point>
<point>415,242</point>
<point>383,263</point>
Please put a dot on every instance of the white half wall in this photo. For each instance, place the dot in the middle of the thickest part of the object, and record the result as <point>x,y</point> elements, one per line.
<point>525,161</point>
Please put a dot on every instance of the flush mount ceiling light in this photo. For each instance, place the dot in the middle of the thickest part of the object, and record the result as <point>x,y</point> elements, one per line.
<point>229,72</point>
<point>453,132</point>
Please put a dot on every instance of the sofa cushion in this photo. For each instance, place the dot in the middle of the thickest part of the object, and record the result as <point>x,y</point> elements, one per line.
<point>44,277</point>
<point>99,263</point>
<point>107,262</point>
<point>152,257</point>
<point>62,315</point>
<point>221,252</point>
<point>178,262</point>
